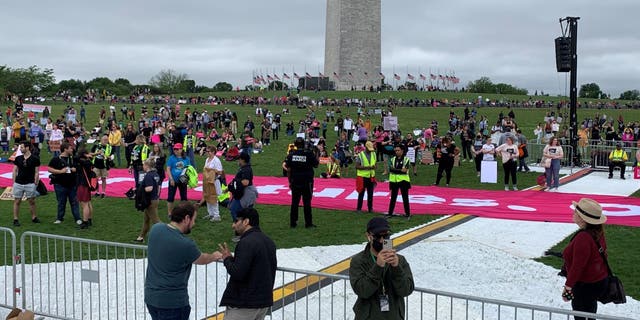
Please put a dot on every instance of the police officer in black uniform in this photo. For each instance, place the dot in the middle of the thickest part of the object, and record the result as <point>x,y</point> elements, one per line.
<point>299,166</point>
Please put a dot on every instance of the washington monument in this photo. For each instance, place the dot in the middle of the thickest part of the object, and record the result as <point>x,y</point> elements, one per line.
<point>352,44</point>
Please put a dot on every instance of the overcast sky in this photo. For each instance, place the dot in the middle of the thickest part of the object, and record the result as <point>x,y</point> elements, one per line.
<point>509,41</point>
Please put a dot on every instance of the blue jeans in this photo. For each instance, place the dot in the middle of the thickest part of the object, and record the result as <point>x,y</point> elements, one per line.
<point>62,195</point>
<point>553,174</point>
<point>235,207</point>
<point>192,158</point>
<point>115,150</point>
<point>169,314</point>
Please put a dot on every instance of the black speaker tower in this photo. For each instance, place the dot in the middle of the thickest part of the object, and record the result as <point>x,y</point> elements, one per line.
<point>567,56</point>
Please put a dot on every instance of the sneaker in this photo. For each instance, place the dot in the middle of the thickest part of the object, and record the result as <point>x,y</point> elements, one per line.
<point>216,219</point>
<point>139,240</point>
<point>16,223</point>
<point>102,196</point>
<point>506,188</point>
<point>78,222</point>
<point>515,188</point>
<point>35,220</point>
<point>623,178</point>
<point>84,225</point>
<point>408,216</point>
<point>57,222</point>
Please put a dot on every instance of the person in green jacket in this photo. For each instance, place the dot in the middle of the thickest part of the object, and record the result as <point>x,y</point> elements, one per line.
<point>379,276</point>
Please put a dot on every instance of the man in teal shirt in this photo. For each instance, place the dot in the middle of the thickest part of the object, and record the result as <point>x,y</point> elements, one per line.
<point>170,255</point>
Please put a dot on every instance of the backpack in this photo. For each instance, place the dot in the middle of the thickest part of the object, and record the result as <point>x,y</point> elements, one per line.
<point>192,176</point>
<point>142,199</point>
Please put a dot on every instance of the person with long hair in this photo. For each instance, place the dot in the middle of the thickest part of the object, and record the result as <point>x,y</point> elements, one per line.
<point>211,186</point>
<point>446,150</point>
<point>509,153</point>
<point>157,154</point>
<point>115,140</point>
<point>85,168</point>
<point>177,162</point>
<point>553,151</point>
<point>585,269</point>
<point>130,135</point>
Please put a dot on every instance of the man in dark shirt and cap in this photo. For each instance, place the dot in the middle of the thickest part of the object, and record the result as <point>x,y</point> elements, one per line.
<point>379,276</point>
<point>299,166</point>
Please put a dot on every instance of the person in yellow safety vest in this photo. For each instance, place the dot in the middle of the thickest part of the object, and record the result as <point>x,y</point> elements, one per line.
<point>366,175</point>
<point>333,168</point>
<point>617,158</point>
<point>139,154</point>
<point>101,162</point>
<point>399,179</point>
<point>189,146</point>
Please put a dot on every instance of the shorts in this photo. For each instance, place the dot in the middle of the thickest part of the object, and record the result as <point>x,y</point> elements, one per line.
<point>24,191</point>
<point>101,173</point>
<point>83,194</point>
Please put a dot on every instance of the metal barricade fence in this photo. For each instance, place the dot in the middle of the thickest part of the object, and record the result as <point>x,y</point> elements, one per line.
<point>598,153</point>
<point>8,296</point>
<point>71,278</point>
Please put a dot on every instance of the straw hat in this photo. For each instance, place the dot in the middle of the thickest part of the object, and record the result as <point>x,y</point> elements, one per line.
<point>590,211</point>
<point>369,146</point>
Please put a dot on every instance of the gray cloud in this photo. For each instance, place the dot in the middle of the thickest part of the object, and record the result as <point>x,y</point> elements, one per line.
<point>508,41</point>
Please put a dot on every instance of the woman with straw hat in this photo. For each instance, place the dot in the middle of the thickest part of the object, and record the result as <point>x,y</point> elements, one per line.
<point>584,267</point>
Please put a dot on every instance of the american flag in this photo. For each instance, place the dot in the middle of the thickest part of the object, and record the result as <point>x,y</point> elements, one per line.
<point>366,74</point>
<point>422,77</point>
<point>335,75</point>
<point>285,76</point>
<point>320,74</point>
<point>410,77</point>
<point>276,76</point>
<point>270,78</point>
<point>396,76</point>
<point>307,75</point>
<point>256,80</point>
<point>381,75</point>
<point>350,75</point>
<point>433,76</point>
<point>440,77</point>
<point>295,75</point>
<point>262,80</point>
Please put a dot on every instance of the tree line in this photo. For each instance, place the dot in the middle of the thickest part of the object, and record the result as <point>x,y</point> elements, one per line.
<point>34,81</point>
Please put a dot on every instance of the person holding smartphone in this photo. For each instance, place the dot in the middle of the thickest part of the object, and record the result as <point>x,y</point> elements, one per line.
<point>508,151</point>
<point>379,276</point>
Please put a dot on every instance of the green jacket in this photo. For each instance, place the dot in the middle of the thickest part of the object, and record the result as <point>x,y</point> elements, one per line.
<point>366,281</point>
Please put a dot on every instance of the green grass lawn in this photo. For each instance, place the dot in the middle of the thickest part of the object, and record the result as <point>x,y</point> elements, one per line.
<point>117,220</point>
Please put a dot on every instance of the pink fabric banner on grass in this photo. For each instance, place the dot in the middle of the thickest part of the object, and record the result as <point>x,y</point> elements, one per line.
<point>340,194</point>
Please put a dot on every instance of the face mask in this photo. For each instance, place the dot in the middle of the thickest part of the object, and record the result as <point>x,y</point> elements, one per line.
<point>376,245</point>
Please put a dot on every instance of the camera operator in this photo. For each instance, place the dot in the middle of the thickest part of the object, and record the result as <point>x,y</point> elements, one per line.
<point>299,166</point>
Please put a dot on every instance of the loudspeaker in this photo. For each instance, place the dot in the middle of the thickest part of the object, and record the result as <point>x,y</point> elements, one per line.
<point>563,54</point>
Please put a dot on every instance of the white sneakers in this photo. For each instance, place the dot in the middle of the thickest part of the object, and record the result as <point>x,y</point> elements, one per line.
<point>57,222</point>
<point>78,222</point>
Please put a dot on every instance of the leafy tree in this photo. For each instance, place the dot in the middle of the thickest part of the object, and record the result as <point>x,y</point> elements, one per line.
<point>168,80</point>
<point>630,95</point>
<point>75,87</point>
<point>509,89</point>
<point>187,86</point>
<point>25,81</point>
<point>590,90</point>
<point>222,86</point>
<point>199,89</point>
<point>482,85</point>
<point>122,82</point>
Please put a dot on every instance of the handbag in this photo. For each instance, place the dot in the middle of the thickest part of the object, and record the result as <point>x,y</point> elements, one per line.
<point>92,181</point>
<point>546,162</point>
<point>614,290</point>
